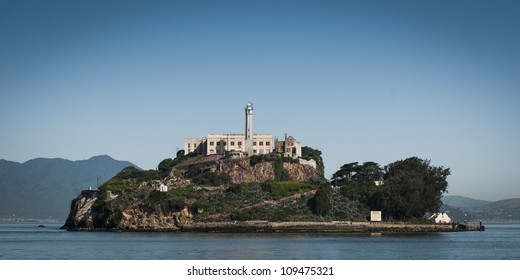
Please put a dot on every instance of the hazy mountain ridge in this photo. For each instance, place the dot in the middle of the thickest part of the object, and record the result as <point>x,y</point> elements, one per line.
<point>463,202</point>
<point>511,203</point>
<point>42,187</point>
<point>464,208</point>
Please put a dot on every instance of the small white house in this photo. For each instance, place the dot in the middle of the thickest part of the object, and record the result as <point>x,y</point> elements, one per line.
<point>441,218</point>
<point>163,188</point>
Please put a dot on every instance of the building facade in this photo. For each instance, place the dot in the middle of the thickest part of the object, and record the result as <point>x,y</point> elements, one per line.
<point>246,144</point>
<point>220,144</point>
<point>289,147</point>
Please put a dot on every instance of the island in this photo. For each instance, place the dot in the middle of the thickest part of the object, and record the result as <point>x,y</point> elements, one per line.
<point>261,193</point>
<point>254,183</point>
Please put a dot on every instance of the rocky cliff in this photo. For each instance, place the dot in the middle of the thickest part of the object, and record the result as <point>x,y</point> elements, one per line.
<point>81,215</point>
<point>86,214</point>
<point>241,171</point>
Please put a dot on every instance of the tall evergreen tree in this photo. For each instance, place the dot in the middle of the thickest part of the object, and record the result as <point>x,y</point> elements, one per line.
<point>322,204</point>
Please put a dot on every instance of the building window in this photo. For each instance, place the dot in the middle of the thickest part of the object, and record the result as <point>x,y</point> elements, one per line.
<point>218,143</point>
<point>268,143</point>
<point>189,145</point>
<point>261,143</point>
<point>232,143</point>
<point>240,143</point>
<point>194,145</point>
<point>254,152</point>
<point>212,143</point>
<point>224,143</point>
<point>254,143</point>
<point>211,151</point>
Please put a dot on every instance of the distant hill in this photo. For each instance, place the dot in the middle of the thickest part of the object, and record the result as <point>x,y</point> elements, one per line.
<point>463,208</point>
<point>42,188</point>
<point>512,203</point>
<point>507,210</point>
<point>463,202</point>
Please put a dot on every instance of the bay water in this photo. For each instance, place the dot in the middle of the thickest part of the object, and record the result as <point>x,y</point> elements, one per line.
<point>19,241</point>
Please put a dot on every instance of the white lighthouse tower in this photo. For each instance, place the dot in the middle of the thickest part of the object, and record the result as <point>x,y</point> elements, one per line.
<point>249,130</point>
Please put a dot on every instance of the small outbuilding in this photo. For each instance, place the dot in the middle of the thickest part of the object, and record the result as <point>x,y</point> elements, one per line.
<point>163,188</point>
<point>441,218</point>
<point>376,216</point>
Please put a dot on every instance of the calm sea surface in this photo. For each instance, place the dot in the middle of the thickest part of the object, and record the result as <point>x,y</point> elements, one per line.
<point>29,242</point>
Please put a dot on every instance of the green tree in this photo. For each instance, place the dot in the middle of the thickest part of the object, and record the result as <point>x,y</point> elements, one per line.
<point>309,153</point>
<point>345,174</point>
<point>412,188</point>
<point>369,171</point>
<point>165,166</point>
<point>356,181</point>
<point>321,203</point>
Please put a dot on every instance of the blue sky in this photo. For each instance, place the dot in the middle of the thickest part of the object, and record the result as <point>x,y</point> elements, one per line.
<point>359,80</point>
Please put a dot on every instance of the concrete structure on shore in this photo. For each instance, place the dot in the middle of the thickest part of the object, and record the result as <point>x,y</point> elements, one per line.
<point>376,216</point>
<point>246,144</point>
